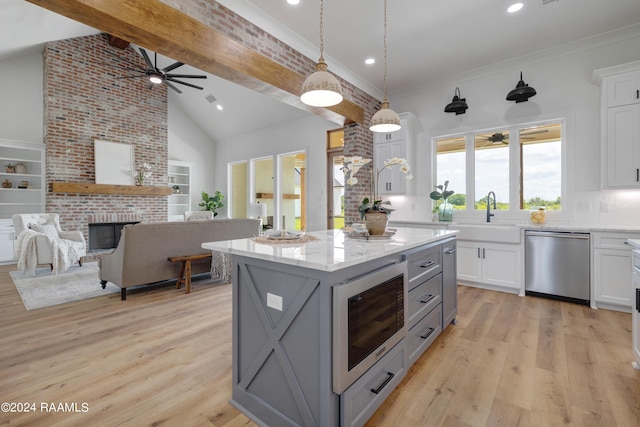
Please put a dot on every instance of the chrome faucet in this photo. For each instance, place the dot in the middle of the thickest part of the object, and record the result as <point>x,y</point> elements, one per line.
<point>489,214</point>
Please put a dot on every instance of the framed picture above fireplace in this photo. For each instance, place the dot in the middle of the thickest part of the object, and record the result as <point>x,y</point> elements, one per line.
<point>114,162</point>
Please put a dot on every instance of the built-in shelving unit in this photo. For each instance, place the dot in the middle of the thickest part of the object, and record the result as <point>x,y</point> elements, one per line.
<point>179,201</point>
<point>27,182</point>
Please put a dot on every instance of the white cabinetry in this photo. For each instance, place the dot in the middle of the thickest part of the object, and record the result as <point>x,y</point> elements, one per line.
<point>635,316</point>
<point>7,239</point>
<point>492,265</point>
<point>620,114</point>
<point>611,274</point>
<point>28,157</point>
<point>395,144</point>
<point>179,175</point>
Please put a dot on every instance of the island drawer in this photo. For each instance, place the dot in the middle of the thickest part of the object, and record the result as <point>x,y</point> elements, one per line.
<point>424,333</point>
<point>363,397</point>
<point>422,264</point>
<point>423,298</point>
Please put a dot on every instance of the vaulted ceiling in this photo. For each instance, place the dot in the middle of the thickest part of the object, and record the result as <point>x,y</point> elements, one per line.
<point>428,41</point>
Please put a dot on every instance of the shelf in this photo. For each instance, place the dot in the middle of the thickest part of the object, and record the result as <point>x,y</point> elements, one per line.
<point>88,188</point>
<point>270,196</point>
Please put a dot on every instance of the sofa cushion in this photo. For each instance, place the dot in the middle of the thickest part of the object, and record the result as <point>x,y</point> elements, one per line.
<point>47,228</point>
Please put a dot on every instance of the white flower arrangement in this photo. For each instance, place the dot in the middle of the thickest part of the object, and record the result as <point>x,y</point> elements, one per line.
<point>142,172</point>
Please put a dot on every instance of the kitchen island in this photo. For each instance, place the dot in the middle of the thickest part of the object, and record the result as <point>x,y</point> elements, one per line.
<point>283,346</point>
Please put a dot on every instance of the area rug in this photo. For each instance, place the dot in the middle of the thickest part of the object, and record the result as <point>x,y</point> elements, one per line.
<point>45,289</point>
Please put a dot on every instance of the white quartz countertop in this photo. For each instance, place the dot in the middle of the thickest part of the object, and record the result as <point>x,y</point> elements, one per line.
<point>333,250</point>
<point>635,243</point>
<point>525,225</point>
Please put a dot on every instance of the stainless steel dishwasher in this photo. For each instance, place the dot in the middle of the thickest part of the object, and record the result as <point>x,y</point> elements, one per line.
<point>557,265</point>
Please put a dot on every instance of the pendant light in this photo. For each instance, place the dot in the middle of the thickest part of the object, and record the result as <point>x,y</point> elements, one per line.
<point>458,105</point>
<point>321,89</point>
<point>522,92</point>
<point>385,120</point>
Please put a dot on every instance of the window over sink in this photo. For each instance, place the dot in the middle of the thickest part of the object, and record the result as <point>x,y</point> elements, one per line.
<point>522,164</point>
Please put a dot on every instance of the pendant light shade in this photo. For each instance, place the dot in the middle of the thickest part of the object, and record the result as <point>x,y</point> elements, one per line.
<point>321,89</point>
<point>458,105</point>
<point>522,92</point>
<point>385,120</point>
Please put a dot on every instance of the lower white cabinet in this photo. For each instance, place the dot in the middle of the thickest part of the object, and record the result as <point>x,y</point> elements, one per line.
<point>611,272</point>
<point>7,239</point>
<point>635,309</point>
<point>494,264</point>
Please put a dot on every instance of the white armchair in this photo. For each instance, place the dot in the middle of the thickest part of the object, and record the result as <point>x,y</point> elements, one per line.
<point>45,239</point>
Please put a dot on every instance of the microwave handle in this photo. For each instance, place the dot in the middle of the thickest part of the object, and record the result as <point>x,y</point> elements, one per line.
<point>390,376</point>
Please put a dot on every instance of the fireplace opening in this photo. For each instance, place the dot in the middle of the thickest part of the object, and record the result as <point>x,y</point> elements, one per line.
<point>106,235</point>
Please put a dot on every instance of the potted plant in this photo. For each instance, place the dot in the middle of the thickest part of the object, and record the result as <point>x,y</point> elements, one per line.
<point>176,189</point>
<point>211,203</point>
<point>373,209</point>
<point>444,209</point>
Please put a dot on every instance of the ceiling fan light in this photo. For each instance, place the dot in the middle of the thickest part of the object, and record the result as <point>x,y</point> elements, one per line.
<point>155,78</point>
<point>458,105</point>
<point>522,92</point>
<point>385,120</point>
<point>321,89</point>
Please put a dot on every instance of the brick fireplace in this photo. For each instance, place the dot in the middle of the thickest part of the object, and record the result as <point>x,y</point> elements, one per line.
<point>84,100</point>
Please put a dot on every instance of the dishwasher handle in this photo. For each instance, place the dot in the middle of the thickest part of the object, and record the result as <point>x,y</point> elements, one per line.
<point>568,235</point>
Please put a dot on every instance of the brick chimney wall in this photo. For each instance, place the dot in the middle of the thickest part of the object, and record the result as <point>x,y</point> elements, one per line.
<point>84,100</point>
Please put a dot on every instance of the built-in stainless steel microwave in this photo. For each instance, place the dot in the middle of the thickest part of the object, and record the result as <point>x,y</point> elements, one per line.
<point>368,321</point>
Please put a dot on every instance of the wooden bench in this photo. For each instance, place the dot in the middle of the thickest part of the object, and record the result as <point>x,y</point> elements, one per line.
<point>185,269</point>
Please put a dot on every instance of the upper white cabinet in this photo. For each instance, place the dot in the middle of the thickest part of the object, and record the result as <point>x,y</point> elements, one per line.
<point>620,112</point>
<point>395,144</point>
<point>23,185</point>
<point>179,202</point>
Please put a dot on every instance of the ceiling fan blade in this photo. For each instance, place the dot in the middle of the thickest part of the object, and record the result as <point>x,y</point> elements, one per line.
<point>138,67</point>
<point>184,83</point>
<point>185,76</point>
<point>172,66</point>
<point>172,86</point>
<point>146,58</point>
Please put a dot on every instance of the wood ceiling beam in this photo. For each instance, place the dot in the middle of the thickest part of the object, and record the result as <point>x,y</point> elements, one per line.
<point>154,25</point>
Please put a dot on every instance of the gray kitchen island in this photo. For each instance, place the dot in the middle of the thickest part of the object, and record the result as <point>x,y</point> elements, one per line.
<point>288,339</point>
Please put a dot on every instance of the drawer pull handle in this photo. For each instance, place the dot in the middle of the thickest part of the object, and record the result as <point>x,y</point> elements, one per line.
<point>428,334</point>
<point>427,264</point>
<point>390,376</point>
<point>427,299</point>
<point>638,300</point>
<point>450,251</point>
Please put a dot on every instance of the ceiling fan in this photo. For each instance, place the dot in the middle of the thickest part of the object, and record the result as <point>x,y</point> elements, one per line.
<point>157,75</point>
<point>501,138</point>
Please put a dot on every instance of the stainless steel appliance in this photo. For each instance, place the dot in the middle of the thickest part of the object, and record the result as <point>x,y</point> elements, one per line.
<point>557,265</point>
<point>368,321</point>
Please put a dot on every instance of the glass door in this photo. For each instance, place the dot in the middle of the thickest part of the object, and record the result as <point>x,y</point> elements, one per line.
<point>335,175</point>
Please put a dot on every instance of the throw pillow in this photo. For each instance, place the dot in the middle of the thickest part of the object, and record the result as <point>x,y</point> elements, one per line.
<point>47,229</point>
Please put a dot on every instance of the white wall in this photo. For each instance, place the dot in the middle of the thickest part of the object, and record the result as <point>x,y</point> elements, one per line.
<point>305,134</point>
<point>189,143</point>
<point>21,98</point>
<point>563,80</point>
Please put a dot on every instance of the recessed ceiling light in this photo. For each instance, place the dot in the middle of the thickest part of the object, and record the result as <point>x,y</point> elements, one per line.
<point>219,107</point>
<point>370,61</point>
<point>515,7</point>
<point>293,2</point>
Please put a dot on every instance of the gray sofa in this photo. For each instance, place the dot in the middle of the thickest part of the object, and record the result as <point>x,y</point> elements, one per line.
<point>143,249</point>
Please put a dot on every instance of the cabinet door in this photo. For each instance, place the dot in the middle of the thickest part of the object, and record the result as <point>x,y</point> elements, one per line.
<point>501,265</point>
<point>379,138</point>
<point>623,146</point>
<point>635,319</point>
<point>469,261</point>
<point>623,89</point>
<point>391,180</point>
<point>449,283</point>
<point>612,275</point>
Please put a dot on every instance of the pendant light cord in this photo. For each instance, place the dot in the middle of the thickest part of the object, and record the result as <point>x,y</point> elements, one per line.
<point>385,51</point>
<point>321,25</point>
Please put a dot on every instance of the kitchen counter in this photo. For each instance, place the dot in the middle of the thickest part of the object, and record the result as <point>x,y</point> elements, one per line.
<point>333,250</point>
<point>528,225</point>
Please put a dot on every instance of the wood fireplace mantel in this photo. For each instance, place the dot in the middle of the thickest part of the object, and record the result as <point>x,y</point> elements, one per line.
<point>89,188</point>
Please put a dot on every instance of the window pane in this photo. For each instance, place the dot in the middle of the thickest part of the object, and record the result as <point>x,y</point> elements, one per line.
<point>293,190</point>
<point>451,166</point>
<point>263,184</point>
<point>238,194</point>
<point>492,168</point>
<point>541,166</point>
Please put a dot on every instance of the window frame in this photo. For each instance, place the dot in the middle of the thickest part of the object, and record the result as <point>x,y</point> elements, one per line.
<point>514,213</point>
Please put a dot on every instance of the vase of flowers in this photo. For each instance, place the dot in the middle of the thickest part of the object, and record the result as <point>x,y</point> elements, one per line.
<point>373,210</point>
<point>142,172</point>
<point>444,209</point>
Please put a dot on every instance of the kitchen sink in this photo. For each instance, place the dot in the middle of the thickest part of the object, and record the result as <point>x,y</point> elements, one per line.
<point>498,233</point>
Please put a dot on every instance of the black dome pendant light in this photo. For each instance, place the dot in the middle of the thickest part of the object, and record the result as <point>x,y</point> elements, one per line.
<point>458,105</point>
<point>522,92</point>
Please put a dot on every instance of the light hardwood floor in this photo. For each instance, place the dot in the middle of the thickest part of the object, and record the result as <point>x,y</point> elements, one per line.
<point>163,358</point>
